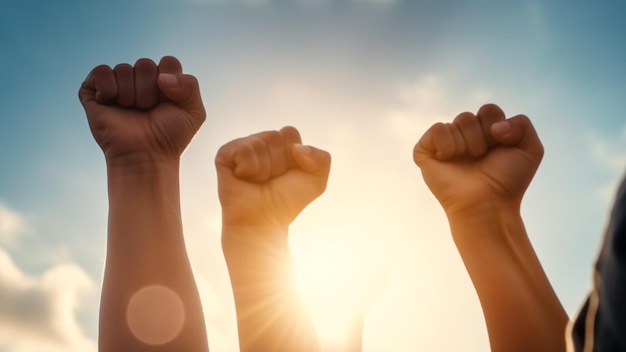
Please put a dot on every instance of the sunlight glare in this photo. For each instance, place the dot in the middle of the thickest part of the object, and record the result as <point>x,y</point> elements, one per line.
<point>339,275</point>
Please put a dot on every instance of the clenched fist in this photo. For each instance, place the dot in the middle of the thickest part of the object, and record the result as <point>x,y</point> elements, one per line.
<point>143,112</point>
<point>479,159</point>
<point>266,179</point>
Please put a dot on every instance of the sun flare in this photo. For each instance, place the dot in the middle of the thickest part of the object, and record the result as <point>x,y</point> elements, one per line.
<point>339,275</point>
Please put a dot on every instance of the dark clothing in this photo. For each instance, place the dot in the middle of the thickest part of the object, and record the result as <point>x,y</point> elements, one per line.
<point>601,324</point>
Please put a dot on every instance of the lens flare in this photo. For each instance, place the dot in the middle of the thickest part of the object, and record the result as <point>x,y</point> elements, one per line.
<point>155,315</point>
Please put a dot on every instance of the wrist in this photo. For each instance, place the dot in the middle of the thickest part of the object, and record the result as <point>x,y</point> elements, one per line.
<point>489,223</point>
<point>141,163</point>
<point>254,235</point>
<point>144,181</point>
<point>486,209</point>
<point>247,216</point>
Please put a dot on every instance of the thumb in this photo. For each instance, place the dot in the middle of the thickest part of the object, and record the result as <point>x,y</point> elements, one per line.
<point>518,132</point>
<point>311,160</point>
<point>181,89</point>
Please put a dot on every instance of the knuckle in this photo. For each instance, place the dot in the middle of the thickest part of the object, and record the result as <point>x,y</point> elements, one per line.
<point>438,129</point>
<point>123,67</point>
<point>272,137</point>
<point>464,118</point>
<point>143,62</point>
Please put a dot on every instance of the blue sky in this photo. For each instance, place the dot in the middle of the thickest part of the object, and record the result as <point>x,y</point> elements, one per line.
<point>360,78</point>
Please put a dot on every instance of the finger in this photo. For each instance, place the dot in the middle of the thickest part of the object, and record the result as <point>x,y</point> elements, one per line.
<point>87,90</point>
<point>309,159</point>
<point>489,114</point>
<point>252,161</point>
<point>519,132</point>
<point>312,160</point>
<point>442,141</point>
<point>99,86</point>
<point>447,142</point>
<point>277,150</point>
<point>425,147</point>
<point>291,136</point>
<point>473,137</point>
<point>225,157</point>
<point>181,89</point>
<point>146,92</point>
<point>170,64</point>
<point>125,77</point>
<point>246,158</point>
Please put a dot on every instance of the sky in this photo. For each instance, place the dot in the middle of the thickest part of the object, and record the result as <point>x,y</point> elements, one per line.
<point>362,79</point>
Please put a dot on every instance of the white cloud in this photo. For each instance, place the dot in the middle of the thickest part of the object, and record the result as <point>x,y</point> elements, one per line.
<point>12,225</point>
<point>39,313</point>
<point>428,101</point>
<point>611,155</point>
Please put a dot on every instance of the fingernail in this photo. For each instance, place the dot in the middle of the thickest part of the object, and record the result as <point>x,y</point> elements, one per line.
<point>303,149</point>
<point>168,79</point>
<point>501,127</point>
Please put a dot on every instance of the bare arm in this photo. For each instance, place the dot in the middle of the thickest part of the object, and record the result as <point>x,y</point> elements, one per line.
<point>143,117</point>
<point>479,167</point>
<point>265,180</point>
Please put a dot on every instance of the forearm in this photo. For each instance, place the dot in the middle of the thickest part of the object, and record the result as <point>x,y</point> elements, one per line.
<point>146,254</point>
<point>521,310</point>
<point>270,315</point>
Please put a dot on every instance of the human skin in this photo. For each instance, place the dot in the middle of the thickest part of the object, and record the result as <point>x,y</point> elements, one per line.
<point>265,180</point>
<point>479,167</point>
<point>143,116</point>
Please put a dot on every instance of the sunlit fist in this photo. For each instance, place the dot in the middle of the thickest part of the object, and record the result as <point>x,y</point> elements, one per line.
<point>482,159</point>
<point>266,179</point>
<point>142,112</point>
